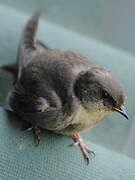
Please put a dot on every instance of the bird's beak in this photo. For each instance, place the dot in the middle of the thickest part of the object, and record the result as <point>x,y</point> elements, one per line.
<point>122,111</point>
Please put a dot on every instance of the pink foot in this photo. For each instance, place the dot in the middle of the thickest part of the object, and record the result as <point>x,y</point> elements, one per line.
<point>78,141</point>
<point>36,132</point>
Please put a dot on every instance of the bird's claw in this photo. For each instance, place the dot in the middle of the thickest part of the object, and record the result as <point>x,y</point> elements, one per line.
<point>78,141</point>
<point>87,159</point>
<point>36,132</point>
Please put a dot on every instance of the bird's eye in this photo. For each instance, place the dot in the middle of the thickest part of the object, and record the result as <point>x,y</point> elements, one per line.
<point>105,94</point>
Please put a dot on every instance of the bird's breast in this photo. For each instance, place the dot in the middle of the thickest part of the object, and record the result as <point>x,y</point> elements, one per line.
<point>88,119</point>
<point>84,120</point>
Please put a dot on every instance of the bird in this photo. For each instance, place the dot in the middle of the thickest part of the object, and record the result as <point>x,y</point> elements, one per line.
<point>61,91</point>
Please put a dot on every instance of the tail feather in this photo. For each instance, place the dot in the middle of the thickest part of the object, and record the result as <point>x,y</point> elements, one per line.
<point>27,42</point>
<point>29,33</point>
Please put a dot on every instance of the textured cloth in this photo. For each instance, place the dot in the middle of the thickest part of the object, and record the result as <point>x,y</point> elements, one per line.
<point>53,159</point>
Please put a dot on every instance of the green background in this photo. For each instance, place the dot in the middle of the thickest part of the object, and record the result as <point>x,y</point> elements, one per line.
<point>53,159</point>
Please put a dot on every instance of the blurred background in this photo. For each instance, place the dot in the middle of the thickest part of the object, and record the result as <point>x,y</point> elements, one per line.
<point>109,21</point>
<point>102,29</point>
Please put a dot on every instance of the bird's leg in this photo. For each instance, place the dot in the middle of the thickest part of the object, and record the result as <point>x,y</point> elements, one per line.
<point>78,141</point>
<point>36,132</point>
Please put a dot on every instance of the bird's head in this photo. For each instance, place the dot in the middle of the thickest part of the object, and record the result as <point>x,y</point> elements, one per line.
<point>99,90</point>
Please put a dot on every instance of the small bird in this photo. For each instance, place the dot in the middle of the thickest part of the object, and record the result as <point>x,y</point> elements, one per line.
<point>62,91</point>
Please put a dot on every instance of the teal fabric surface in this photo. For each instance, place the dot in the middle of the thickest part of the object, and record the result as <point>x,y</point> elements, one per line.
<point>53,159</point>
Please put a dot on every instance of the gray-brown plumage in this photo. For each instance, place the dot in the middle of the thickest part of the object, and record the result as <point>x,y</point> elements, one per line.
<point>62,91</point>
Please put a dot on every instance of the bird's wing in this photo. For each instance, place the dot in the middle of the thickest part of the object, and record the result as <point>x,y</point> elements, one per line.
<point>26,48</point>
<point>12,68</point>
<point>6,85</point>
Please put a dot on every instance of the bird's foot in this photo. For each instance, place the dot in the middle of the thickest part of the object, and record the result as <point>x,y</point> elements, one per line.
<point>36,132</point>
<point>78,141</point>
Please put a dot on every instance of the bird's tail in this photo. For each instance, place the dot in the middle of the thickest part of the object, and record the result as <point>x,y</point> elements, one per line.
<point>28,39</point>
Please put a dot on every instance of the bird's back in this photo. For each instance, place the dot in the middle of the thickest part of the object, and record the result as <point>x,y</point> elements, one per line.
<point>79,62</point>
<point>70,59</point>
